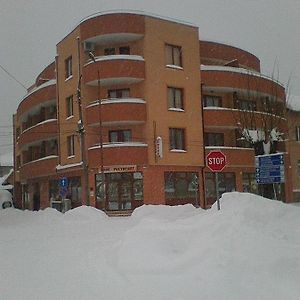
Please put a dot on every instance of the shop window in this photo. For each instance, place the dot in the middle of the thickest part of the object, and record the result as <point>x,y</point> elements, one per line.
<point>71,146</point>
<point>69,106</point>
<point>181,185</point>
<point>118,93</point>
<point>226,183</point>
<point>212,101</point>
<point>173,55</point>
<point>249,183</point>
<point>120,136</point>
<point>214,139</point>
<point>175,98</point>
<point>68,67</point>
<point>177,139</point>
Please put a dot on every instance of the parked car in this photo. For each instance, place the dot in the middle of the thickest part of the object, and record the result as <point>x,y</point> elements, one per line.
<point>5,199</point>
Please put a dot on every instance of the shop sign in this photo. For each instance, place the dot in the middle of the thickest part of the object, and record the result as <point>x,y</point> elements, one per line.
<point>120,169</point>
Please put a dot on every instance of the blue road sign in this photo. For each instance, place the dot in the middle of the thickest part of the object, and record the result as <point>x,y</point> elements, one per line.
<point>269,169</point>
<point>63,182</point>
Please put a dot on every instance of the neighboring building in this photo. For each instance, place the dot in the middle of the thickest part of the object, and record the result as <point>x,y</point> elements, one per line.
<point>145,136</point>
<point>294,143</point>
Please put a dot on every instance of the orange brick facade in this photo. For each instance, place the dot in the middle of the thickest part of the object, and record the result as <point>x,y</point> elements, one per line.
<point>145,136</point>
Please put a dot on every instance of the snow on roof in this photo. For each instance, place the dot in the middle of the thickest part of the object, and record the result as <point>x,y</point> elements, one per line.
<point>293,102</point>
<point>136,12</point>
<point>6,159</point>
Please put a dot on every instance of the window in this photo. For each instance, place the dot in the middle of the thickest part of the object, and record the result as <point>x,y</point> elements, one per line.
<point>120,136</point>
<point>124,50</point>
<point>109,51</point>
<point>177,138</point>
<point>181,185</point>
<point>212,101</point>
<point>297,133</point>
<point>175,98</point>
<point>226,183</point>
<point>241,141</point>
<point>68,67</point>
<point>70,143</point>
<point>214,139</point>
<point>249,183</point>
<point>18,162</point>
<point>173,55</point>
<point>244,104</point>
<point>69,106</point>
<point>118,93</point>
<point>18,132</point>
<point>298,169</point>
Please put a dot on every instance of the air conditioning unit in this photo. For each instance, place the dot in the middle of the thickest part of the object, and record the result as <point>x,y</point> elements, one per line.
<point>89,46</point>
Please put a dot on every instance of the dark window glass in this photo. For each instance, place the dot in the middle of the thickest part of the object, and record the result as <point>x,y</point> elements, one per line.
<point>173,55</point>
<point>69,106</point>
<point>109,51</point>
<point>70,143</point>
<point>175,98</point>
<point>249,183</point>
<point>118,93</point>
<point>68,67</point>
<point>124,50</point>
<point>214,139</point>
<point>177,138</point>
<point>244,104</point>
<point>120,136</point>
<point>212,101</point>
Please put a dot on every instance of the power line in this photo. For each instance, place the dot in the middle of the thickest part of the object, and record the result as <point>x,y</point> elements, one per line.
<point>13,77</point>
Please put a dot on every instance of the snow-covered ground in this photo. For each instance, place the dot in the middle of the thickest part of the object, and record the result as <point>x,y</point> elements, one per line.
<point>250,249</point>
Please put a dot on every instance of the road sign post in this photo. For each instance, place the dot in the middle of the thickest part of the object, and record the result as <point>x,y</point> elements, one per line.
<point>216,162</point>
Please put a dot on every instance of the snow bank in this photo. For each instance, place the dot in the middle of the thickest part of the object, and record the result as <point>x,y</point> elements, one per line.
<point>247,250</point>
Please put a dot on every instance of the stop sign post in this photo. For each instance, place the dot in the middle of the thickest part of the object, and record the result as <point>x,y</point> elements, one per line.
<point>216,162</point>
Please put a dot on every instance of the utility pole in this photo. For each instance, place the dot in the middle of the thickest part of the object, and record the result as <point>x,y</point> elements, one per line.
<point>102,189</point>
<point>81,131</point>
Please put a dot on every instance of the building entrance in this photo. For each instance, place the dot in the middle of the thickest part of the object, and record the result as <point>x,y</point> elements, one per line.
<point>122,191</point>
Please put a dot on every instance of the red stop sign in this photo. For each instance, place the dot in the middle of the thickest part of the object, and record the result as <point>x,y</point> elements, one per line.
<point>216,161</point>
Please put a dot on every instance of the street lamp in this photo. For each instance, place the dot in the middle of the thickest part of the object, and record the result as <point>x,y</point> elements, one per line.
<point>102,186</point>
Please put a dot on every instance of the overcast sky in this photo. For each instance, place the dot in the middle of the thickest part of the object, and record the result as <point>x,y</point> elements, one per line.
<point>30,30</point>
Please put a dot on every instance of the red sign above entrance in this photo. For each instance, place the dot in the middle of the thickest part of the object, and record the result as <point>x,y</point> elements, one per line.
<point>216,161</point>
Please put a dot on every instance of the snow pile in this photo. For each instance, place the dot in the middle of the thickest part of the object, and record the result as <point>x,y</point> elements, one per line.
<point>247,250</point>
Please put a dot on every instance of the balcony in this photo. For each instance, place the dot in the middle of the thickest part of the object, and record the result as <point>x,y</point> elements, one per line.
<point>110,28</point>
<point>130,153</point>
<point>114,69</point>
<point>41,131</point>
<point>222,79</point>
<point>40,167</point>
<point>43,94</point>
<point>130,111</point>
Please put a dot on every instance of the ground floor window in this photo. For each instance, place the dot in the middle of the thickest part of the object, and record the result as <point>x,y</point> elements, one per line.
<point>226,183</point>
<point>120,191</point>
<point>181,186</point>
<point>249,183</point>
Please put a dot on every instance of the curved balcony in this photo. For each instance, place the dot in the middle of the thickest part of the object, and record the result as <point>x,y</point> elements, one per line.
<point>130,111</point>
<point>41,131</point>
<point>109,28</point>
<point>114,69</point>
<point>38,168</point>
<point>228,79</point>
<point>219,117</point>
<point>214,53</point>
<point>235,156</point>
<point>132,153</point>
<point>38,96</point>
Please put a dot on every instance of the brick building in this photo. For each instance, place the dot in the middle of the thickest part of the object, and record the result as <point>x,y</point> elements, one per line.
<point>119,115</point>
